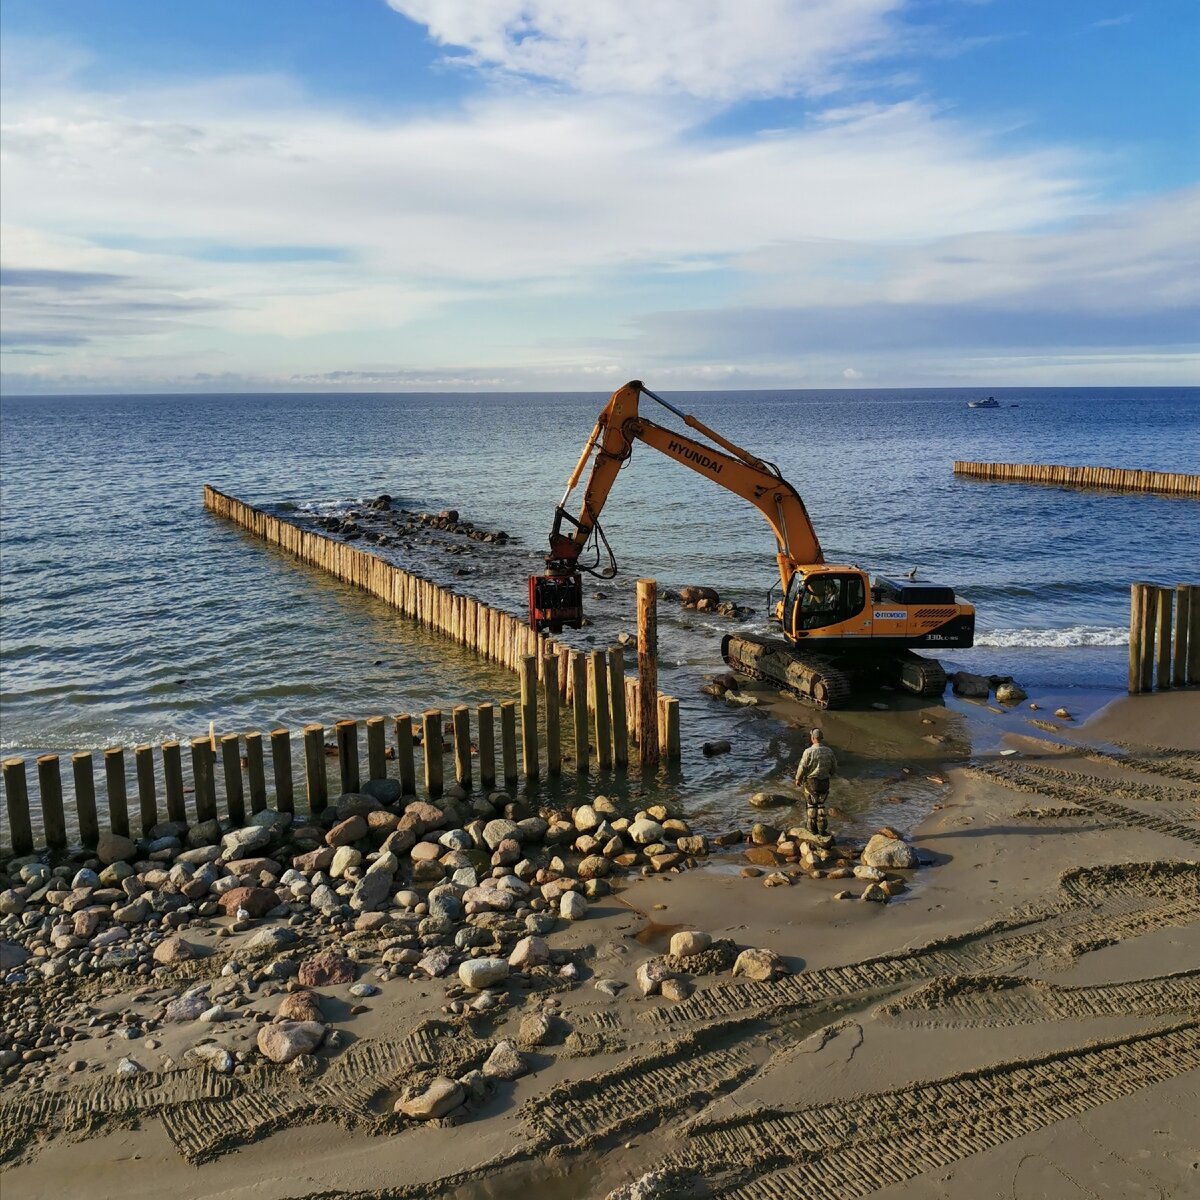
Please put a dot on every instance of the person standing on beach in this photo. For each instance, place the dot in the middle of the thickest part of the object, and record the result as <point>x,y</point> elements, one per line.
<point>818,764</point>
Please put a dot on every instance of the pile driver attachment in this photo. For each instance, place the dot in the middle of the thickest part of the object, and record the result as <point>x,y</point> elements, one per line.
<point>555,601</point>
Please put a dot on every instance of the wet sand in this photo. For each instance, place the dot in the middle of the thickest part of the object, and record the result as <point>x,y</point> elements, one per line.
<point>1021,1022</point>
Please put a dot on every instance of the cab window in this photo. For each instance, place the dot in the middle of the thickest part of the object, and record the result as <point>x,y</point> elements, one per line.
<point>828,599</point>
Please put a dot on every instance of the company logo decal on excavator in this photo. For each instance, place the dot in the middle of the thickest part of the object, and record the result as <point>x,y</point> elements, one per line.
<point>695,456</point>
<point>888,614</point>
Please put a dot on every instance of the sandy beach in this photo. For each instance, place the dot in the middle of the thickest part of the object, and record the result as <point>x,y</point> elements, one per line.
<point>1019,1022</point>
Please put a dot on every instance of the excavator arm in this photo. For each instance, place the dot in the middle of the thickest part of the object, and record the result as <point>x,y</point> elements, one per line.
<point>555,597</point>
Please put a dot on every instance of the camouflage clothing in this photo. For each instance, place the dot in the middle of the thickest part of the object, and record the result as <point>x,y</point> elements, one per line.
<point>817,764</point>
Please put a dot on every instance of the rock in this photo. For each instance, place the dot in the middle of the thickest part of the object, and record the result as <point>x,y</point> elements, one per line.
<point>645,832</point>
<point>271,937</point>
<point>1063,714</point>
<point>12,955</point>
<point>572,906</point>
<point>479,973</point>
<point>650,976</point>
<point>300,1006</point>
<point>133,913</point>
<point>711,749</point>
<point>344,857</point>
<point>421,817</point>
<point>12,903</point>
<point>586,818</point>
<point>174,949</point>
<point>595,866</point>
<point>762,856</point>
<point>975,687</point>
<point>874,891</point>
<point>257,901</point>
<point>889,853</point>
<point>761,965</point>
<point>386,791</point>
<point>689,942</point>
<point>505,1062</point>
<point>1010,693</point>
<point>695,845</point>
<point>874,874</point>
<point>242,843</point>
<point>347,831</point>
<point>127,1068</point>
<point>771,799</point>
<point>777,879</point>
<point>283,1041</point>
<point>185,1008</point>
<point>675,990</point>
<point>327,967</point>
<point>500,830</point>
<point>434,1100</point>
<point>529,952</point>
<point>372,891</point>
<point>112,847</point>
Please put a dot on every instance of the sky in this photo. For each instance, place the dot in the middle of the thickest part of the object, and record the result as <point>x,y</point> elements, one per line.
<point>449,195</point>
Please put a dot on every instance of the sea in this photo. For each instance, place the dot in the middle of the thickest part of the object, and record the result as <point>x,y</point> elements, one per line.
<point>129,614</point>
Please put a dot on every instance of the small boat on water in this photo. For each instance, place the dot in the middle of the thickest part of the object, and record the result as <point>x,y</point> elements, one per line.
<point>990,402</point>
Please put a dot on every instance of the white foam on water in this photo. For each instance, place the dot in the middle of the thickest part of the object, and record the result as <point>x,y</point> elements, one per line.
<point>1075,635</point>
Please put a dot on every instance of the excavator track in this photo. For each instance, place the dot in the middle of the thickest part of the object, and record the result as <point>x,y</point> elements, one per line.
<point>920,676</point>
<point>810,678</point>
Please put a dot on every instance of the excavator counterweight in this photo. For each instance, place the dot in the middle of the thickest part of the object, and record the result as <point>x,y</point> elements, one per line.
<point>840,627</point>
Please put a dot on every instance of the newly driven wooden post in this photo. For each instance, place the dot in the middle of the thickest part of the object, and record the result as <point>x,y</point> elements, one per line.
<point>579,709</point>
<point>598,676</point>
<point>647,630</point>
<point>204,779</point>
<point>508,741</point>
<point>553,732</point>
<point>231,764</point>
<point>1183,598</point>
<point>143,760</point>
<point>404,754</point>
<point>54,823</point>
<point>83,771</point>
<point>1163,611</point>
<point>616,698</point>
<point>347,745</point>
<point>1146,666</point>
<point>431,741</point>
<point>16,797</point>
<point>281,769</point>
<point>1137,633</point>
<point>376,748</point>
<point>172,782</point>
<point>487,747</point>
<point>256,774</point>
<point>314,768</point>
<point>114,782</point>
<point>529,716</point>
<point>670,741</point>
<point>1193,654</point>
<point>462,746</point>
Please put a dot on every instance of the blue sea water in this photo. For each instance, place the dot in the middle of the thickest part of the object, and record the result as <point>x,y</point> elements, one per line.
<point>130,614</point>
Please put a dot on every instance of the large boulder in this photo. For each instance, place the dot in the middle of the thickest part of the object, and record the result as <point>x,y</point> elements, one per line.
<point>300,1006</point>
<point>889,854</point>
<point>257,901</point>
<point>505,1062</point>
<point>283,1041</point>
<point>479,973</point>
<point>327,968</point>
<point>435,1099</point>
<point>974,687</point>
<point>1010,693</point>
<point>761,965</point>
<point>112,847</point>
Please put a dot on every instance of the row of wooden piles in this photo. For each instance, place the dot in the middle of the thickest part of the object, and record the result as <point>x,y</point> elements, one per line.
<point>1116,478</point>
<point>213,777</point>
<point>1164,637</point>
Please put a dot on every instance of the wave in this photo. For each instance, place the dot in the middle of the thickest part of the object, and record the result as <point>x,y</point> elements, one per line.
<point>1076,635</point>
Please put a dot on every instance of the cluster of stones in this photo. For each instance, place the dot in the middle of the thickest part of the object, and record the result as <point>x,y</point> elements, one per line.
<point>980,687</point>
<point>706,599</point>
<point>466,890</point>
<point>382,524</point>
<point>693,952</point>
<point>782,855</point>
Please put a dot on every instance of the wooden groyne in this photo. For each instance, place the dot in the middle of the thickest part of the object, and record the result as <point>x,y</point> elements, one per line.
<point>1164,637</point>
<point>497,635</point>
<point>1118,479</point>
<point>234,776</point>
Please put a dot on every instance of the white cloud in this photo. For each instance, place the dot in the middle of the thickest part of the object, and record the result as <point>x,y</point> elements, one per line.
<point>717,49</point>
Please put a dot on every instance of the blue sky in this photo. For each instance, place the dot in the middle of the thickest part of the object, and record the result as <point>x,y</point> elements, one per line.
<point>453,194</point>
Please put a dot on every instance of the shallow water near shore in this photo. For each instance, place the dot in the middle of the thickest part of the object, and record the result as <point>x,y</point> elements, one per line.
<point>130,614</point>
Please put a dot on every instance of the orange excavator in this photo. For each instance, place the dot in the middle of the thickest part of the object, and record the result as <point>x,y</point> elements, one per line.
<point>841,629</point>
